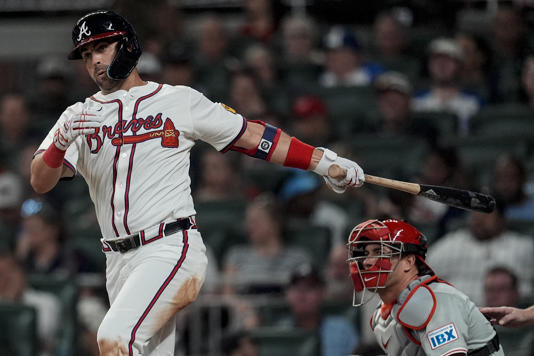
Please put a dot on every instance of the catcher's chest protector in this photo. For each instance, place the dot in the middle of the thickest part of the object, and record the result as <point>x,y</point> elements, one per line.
<point>413,311</point>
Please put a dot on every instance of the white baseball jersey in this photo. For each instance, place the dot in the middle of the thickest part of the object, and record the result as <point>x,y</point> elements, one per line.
<point>444,324</point>
<point>137,168</point>
<point>145,180</point>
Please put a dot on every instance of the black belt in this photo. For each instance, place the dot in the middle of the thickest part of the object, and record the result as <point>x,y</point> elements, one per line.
<point>492,346</point>
<point>133,241</point>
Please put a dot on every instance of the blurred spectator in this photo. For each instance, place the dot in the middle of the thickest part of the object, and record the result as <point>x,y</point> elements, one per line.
<point>14,127</point>
<point>149,66</point>
<point>177,67</point>
<point>91,311</point>
<point>394,108</point>
<point>477,75</point>
<point>239,343</point>
<point>306,295</point>
<point>213,62</point>
<point>445,93</point>
<point>165,24</point>
<point>301,62</point>
<point>527,81</point>
<point>338,285</point>
<point>265,264</point>
<point>389,35</point>
<point>260,25</point>
<point>464,256</point>
<point>53,92</point>
<point>245,94</point>
<point>219,177</point>
<point>300,193</point>
<point>344,64</point>
<point>310,121</point>
<point>442,167</point>
<point>501,287</point>
<point>41,244</point>
<point>510,185</point>
<point>14,288</point>
<point>510,46</point>
<point>298,35</point>
<point>10,201</point>
<point>262,63</point>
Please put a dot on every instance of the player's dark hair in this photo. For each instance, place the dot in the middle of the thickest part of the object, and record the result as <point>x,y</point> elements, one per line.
<point>504,270</point>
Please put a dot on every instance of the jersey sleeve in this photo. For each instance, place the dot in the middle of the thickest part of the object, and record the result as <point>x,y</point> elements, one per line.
<point>447,331</point>
<point>71,156</point>
<point>215,123</point>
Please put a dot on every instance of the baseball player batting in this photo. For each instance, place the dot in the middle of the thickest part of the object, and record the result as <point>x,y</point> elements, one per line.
<point>131,142</point>
<point>419,314</point>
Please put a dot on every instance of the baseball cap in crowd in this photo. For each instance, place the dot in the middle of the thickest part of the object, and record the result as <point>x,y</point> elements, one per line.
<point>177,53</point>
<point>41,208</point>
<point>10,190</point>
<point>308,105</point>
<point>306,273</point>
<point>393,81</point>
<point>148,64</point>
<point>53,67</point>
<point>300,182</point>
<point>341,37</point>
<point>447,47</point>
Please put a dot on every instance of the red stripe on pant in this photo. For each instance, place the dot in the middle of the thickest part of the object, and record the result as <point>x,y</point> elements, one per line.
<point>160,290</point>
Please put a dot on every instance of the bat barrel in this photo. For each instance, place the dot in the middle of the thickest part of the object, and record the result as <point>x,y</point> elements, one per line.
<point>463,199</point>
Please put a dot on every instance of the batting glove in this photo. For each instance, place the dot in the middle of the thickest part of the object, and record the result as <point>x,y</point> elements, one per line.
<point>354,177</point>
<point>77,123</point>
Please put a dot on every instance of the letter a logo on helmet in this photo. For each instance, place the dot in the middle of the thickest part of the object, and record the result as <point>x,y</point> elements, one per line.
<point>103,24</point>
<point>84,31</point>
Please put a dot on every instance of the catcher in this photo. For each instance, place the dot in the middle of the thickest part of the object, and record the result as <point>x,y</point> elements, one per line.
<point>419,314</point>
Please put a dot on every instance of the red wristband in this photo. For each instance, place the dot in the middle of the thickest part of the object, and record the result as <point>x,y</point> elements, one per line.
<point>299,154</point>
<point>53,156</point>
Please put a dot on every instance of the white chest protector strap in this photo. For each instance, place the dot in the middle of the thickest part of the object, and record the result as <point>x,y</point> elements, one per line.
<point>416,304</point>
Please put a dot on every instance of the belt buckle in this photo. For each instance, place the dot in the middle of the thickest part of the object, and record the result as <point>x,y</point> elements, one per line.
<point>125,244</point>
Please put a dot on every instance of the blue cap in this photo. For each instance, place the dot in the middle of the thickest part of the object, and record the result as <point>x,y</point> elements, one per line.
<point>341,37</point>
<point>301,182</point>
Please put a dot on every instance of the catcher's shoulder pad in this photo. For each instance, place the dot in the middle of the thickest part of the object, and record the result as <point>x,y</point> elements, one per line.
<point>416,304</point>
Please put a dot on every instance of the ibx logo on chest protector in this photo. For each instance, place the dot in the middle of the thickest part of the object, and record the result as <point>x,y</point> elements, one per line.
<point>168,134</point>
<point>442,336</point>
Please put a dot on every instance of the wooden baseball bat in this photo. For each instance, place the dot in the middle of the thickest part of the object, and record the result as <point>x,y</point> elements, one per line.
<point>459,198</point>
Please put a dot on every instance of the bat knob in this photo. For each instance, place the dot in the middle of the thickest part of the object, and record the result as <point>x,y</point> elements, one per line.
<point>336,172</point>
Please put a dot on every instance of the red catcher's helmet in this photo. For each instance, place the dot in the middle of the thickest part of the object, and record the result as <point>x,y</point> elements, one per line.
<point>394,238</point>
<point>102,24</point>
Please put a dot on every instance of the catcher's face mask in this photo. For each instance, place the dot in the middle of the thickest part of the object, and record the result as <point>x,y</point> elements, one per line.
<point>370,258</point>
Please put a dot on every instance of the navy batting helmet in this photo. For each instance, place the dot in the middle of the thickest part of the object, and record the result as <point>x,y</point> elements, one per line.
<point>106,24</point>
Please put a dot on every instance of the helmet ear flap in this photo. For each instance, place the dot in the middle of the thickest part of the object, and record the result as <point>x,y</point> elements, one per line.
<point>125,60</point>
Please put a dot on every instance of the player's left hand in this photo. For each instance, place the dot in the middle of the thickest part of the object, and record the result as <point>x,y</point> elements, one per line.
<point>354,176</point>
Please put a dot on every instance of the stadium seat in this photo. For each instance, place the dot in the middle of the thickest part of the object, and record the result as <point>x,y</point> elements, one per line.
<point>504,120</point>
<point>385,156</point>
<point>66,290</point>
<point>445,122</point>
<point>312,238</point>
<point>221,224</point>
<point>19,330</point>
<point>284,342</point>
<point>525,227</point>
<point>271,313</point>
<point>478,153</point>
<point>347,106</point>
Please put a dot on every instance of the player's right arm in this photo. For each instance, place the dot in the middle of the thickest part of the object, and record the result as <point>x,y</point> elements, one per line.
<point>43,177</point>
<point>510,316</point>
<point>48,165</point>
